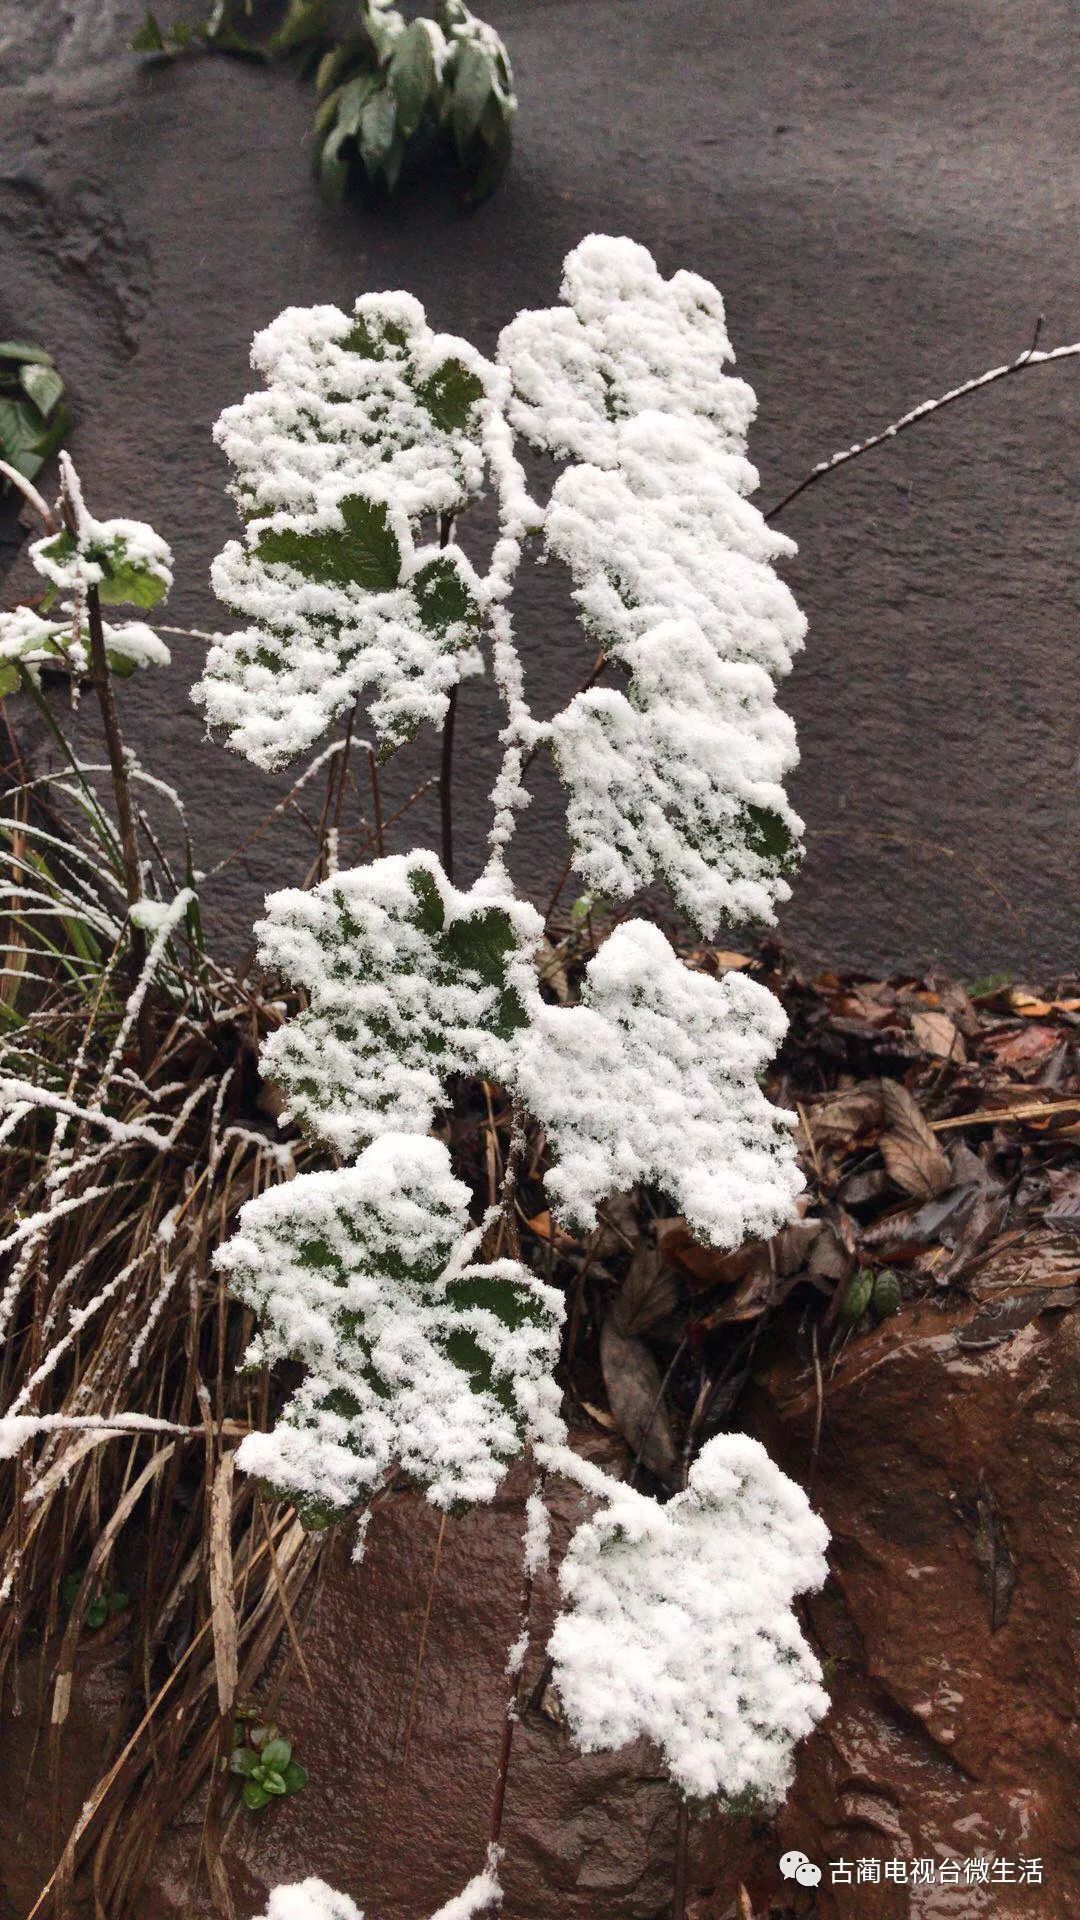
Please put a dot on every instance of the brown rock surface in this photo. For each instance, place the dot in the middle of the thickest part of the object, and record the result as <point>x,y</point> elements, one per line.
<point>946,1476</point>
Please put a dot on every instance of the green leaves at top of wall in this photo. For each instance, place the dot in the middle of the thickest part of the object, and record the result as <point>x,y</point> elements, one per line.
<point>33,420</point>
<point>394,92</point>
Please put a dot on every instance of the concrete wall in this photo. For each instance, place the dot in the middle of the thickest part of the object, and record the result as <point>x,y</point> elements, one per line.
<point>884,195</point>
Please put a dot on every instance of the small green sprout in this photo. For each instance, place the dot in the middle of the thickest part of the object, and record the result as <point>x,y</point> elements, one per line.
<point>104,1601</point>
<point>264,1762</point>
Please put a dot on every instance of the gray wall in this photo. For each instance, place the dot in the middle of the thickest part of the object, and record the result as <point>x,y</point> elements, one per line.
<point>886,196</point>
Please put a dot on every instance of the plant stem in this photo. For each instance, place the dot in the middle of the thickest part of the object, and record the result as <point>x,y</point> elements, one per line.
<point>446,764</point>
<point>682,1848</point>
<point>129,847</point>
<point>498,1803</point>
<point>446,767</point>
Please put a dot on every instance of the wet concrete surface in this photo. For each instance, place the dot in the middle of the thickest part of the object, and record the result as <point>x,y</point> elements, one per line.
<point>886,197</point>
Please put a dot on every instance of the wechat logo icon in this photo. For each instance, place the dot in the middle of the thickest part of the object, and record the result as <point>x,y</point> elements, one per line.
<point>797,1866</point>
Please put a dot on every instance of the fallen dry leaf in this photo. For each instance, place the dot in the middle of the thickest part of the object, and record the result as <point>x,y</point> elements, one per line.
<point>1032,1008</point>
<point>545,1228</point>
<point>647,1294</point>
<point>938,1035</point>
<point>1025,1049</point>
<point>913,1159</point>
<point>634,1391</point>
<point>848,1115</point>
<point>707,1266</point>
<point>222,1604</point>
<point>1064,1208</point>
<point>829,1259</point>
<point>791,1246</point>
<point>598,1415</point>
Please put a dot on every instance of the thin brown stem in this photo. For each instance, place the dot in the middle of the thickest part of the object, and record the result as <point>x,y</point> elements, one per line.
<point>506,1744</point>
<point>446,772</point>
<point>682,1853</point>
<point>376,802</point>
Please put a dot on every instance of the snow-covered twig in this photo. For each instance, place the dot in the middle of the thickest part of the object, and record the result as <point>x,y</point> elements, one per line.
<point>1031,357</point>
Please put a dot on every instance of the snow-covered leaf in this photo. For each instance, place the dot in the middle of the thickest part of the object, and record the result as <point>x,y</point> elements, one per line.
<point>408,980</point>
<point>124,559</point>
<point>369,425</point>
<point>654,1078</point>
<point>412,1356</point>
<point>678,1624</point>
<point>627,341</point>
<point>35,642</point>
<point>681,779</point>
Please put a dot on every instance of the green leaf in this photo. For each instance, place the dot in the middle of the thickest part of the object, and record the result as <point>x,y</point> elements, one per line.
<point>382,25</point>
<point>243,1760</point>
<point>354,98</point>
<point>392,163</point>
<point>43,384</point>
<point>378,126</point>
<point>224,38</point>
<point>333,167</point>
<point>126,578</point>
<point>325,117</point>
<point>149,37</point>
<point>20,434</point>
<point>445,603</point>
<point>767,835</point>
<point>515,1306</point>
<point>856,1298</point>
<point>97,1612</point>
<point>371,336</point>
<point>272,1782</point>
<point>887,1297</point>
<point>54,434</point>
<point>255,1796</point>
<point>295,1777</point>
<point>450,394</point>
<point>306,22</point>
<point>411,75</point>
<point>365,554</point>
<point>22,350</point>
<point>277,1754</point>
<point>474,81</point>
<point>9,679</point>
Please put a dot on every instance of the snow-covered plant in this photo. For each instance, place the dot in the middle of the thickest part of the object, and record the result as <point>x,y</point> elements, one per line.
<point>91,563</point>
<point>423,1355</point>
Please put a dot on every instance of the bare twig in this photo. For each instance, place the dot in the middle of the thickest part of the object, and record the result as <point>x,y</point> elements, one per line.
<point>1031,357</point>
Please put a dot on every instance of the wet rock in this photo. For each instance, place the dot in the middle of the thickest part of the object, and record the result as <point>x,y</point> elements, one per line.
<point>948,1634</point>
<point>402,1751</point>
<point>947,1478</point>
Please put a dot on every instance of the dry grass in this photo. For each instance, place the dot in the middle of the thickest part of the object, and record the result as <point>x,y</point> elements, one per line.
<point>129,1141</point>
